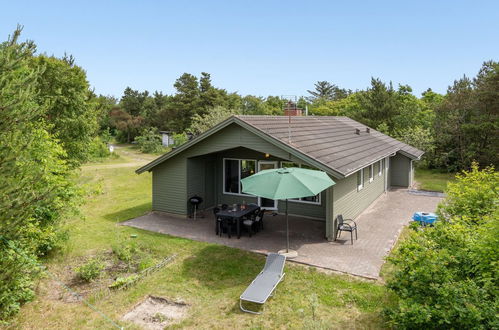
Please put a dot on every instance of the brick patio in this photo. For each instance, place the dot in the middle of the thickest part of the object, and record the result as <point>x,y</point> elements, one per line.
<point>378,226</point>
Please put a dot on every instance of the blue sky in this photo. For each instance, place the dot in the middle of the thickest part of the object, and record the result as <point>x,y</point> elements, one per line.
<point>263,47</point>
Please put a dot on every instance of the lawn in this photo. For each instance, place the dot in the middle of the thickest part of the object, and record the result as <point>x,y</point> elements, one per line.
<point>208,277</point>
<point>433,180</point>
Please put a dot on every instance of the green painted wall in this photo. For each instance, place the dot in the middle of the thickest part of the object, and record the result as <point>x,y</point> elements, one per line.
<point>169,186</point>
<point>400,171</point>
<point>349,202</point>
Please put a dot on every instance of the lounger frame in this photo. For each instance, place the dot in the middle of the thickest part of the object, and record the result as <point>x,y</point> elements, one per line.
<point>270,293</point>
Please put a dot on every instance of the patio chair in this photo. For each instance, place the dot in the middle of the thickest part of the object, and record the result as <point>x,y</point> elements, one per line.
<point>258,219</point>
<point>248,224</point>
<point>218,220</point>
<point>226,223</point>
<point>264,284</point>
<point>346,225</point>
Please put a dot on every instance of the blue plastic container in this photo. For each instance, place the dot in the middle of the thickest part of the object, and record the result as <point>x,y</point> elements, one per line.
<point>425,218</point>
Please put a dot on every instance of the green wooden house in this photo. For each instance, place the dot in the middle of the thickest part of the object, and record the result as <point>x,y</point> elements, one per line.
<point>363,162</point>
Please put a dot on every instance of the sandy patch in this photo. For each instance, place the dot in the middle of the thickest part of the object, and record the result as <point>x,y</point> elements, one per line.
<point>155,313</point>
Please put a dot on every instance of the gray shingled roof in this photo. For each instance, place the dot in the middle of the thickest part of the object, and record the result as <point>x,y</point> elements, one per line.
<point>331,141</point>
<point>328,141</point>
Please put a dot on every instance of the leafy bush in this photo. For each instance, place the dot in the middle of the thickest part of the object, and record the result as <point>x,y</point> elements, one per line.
<point>122,282</point>
<point>125,251</point>
<point>447,276</point>
<point>20,272</point>
<point>473,195</point>
<point>179,139</point>
<point>149,141</point>
<point>91,270</point>
<point>98,149</point>
<point>145,262</point>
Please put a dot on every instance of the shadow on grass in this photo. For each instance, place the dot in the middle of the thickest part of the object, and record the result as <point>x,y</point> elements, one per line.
<point>126,214</point>
<point>220,267</point>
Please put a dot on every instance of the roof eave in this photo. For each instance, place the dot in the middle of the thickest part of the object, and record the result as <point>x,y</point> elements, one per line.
<point>412,156</point>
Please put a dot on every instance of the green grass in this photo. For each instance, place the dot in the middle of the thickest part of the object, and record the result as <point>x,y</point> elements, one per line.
<point>433,180</point>
<point>208,277</point>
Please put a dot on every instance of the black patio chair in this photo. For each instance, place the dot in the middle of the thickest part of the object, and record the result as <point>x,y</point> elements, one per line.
<point>226,223</point>
<point>248,224</point>
<point>258,219</point>
<point>346,225</point>
<point>218,220</point>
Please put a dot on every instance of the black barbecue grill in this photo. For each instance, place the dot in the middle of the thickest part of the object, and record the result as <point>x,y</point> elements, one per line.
<point>195,201</point>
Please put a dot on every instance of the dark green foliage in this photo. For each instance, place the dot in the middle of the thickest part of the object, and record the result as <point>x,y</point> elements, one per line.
<point>379,105</point>
<point>447,276</point>
<point>149,141</point>
<point>36,190</point>
<point>467,121</point>
<point>326,91</point>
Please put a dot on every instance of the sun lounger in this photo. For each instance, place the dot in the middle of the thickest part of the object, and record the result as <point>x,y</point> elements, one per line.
<point>265,283</point>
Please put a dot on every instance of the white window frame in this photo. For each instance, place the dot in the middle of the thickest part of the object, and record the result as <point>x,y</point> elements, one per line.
<point>371,173</point>
<point>380,167</point>
<point>361,185</point>
<point>299,200</point>
<point>239,175</point>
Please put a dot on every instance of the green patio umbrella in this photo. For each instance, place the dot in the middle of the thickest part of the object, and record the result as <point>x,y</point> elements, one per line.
<point>286,183</point>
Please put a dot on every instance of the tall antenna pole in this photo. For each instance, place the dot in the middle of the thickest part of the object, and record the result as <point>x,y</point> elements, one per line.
<point>289,127</point>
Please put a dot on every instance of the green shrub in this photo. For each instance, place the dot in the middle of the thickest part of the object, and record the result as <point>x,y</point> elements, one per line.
<point>145,262</point>
<point>447,276</point>
<point>98,149</point>
<point>125,251</point>
<point>21,273</point>
<point>122,282</point>
<point>149,141</point>
<point>90,270</point>
<point>179,139</point>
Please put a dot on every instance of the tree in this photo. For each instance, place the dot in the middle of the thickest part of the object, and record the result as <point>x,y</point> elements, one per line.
<point>103,106</point>
<point>186,101</point>
<point>128,125</point>
<point>326,91</point>
<point>201,123</point>
<point>134,102</point>
<point>467,121</point>
<point>36,188</point>
<point>64,93</point>
<point>379,105</point>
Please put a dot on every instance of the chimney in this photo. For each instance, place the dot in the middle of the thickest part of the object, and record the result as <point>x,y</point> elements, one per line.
<point>290,109</point>
<point>368,130</point>
<point>357,131</point>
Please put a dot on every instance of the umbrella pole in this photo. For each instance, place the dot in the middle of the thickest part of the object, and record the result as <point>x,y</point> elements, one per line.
<point>287,228</point>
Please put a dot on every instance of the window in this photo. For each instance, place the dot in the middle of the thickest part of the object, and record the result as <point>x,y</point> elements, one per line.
<point>360,180</point>
<point>380,167</point>
<point>371,173</point>
<point>234,171</point>
<point>311,199</point>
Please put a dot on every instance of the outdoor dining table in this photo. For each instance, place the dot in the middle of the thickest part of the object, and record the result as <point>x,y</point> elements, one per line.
<point>238,214</point>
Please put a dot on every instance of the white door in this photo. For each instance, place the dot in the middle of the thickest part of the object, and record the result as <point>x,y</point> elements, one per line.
<point>265,203</point>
